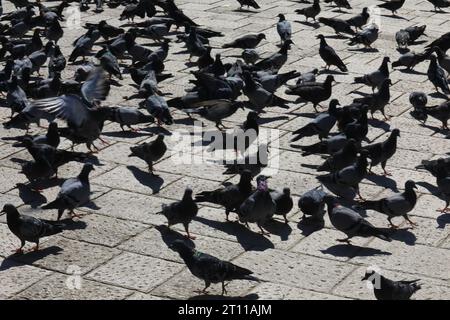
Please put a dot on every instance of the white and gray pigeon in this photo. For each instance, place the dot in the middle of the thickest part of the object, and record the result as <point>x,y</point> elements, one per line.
<point>74,193</point>
<point>351,223</point>
<point>386,289</point>
<point>182,211</point>
<point>396,205</point>
<point>402,38</point>
<point>259,207</point>
<point>284,28</point>
<point>28,228</point>
<point>209,268</point>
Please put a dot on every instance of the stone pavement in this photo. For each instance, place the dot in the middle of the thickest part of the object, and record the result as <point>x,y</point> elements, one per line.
<point>118,250</point>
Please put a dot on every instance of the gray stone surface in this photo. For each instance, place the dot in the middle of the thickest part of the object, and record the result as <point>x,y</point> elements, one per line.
<point>119,248</point>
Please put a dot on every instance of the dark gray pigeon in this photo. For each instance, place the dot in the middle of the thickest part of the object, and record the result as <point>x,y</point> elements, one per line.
<point>277,60</point>
<point>432,166</point>
<point>314,92</point>
<point>311,11</point>
<point>258,96</point>
<point>157,107</point>
<point>320,125</point>
<point>395,205</point>
<point>443,58</point>
<point>409,60</point>
<point>437,76</point>
<point>150,151</point>
<point>342,158</point>
<point>283,201</point>
<point>351,223</point>
<point>231,196</point>
<point>312,203</point>
<point>359,20</point>
<point>329,56</point>
<point>326,146</point>
<point>439,4</point>
<point>28,228</point>
<point>210,269</point>
<point>250,56</point>
<point>249,41</point>
<point>440,112</point>
<point>258,207</point>
<point>381,152</point>
<point>182,211</point>
<point>366,36</point>
<point>74,193</point>
<point>377,100</point>
<point>375,78</point>
<point>128,116</point>
<point>392,5</point>
<point>215,110</point>
<point>339,25</point>
<point>443,183</point>
<point>386,289</point>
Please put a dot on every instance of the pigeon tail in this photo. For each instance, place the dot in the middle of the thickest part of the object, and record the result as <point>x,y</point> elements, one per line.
<point>55,204</point>
<point>369,230</point>
<point>396,64</point>
<point>370,205</point>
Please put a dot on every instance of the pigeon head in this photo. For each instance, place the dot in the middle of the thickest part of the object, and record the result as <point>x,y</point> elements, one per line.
<point>87,168</point>
<point>329,200</point>
<point>288,43</point>
<point>187,193</point>
<point>281,16</point>
<point>286,191</point>
<point>261,36</point>
<point>246,175</point>
<point>160,137</point>
<point>320,36</point>
<point>102,23</point>
<point>261,181</point>
<point>329,79</point>
<point>10,210</point>
<point>333,104</point>
<point>181,247</point>
<point>239,104</point>
<point>365,10</point>
<point>252,115</point>
<point>53,127</point>
<point>395,133</point>
<point>410,185</point>
<point>28,142</point>
<point>386,60</point>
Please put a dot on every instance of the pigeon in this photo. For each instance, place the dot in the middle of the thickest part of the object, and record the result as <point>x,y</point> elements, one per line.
<point>248,3</point>
<point>410,60</point>
<point>375,78</point>
<point>340,4</point>
<point>395,205</point>
<point>418,99</point>
<point>277,60</point>
<point>442,42</point>
<point>439,4</point>
<point>74,193</point>
<point>158,108</point>
<point>108,31</point>
<point>402,38</point>
<point>433,165</point>
<point>339,25</point>
<point>57,62</point>
<point>205,59</point>
<point>349,176</point>
<point>132,10</point>
<point>311,11</point>
<point>54,32</point>
<point>342,158</point>
<point>258,96</point>
<point>312,203</point>
<point>351,223</point>
<point>359,20</point>
<point>51,138</point>
<point>253,162</point>
<point>109,63</point>
<point>210,269</point>
<point>150,151</point>
<point>329,56</point>
<point>250,56</point>
<point>440,112</point>
<point>314,92</point>
<point>443,59</point>
<point>128,116</point>
<point>16,98</point>
<point>194,45</point>
<point>249,41</point>
<point>386,289</point>
<point>366,36</point>
<point>231,196</point>
<point>443,183</point>
<point>415,32</point>
<point>381,152</point>
<point>283,201</point>
<point>216,110</point>
<point>377,100</point>
<point>326,146</point>
<point>284,28</point>
<point>359,128</point>
<point>392,5</point>
<point>259,206</point>
<point>320,125</point>
<point>28,228</point>
<point>182,211</point>
<point>437,76</point>
<point>271,82</point>
<point>84,120</point>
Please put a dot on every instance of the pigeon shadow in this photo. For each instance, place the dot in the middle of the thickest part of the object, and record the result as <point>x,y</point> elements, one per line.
<point>438,95</point>
<point>329,71</point>
<point>394,16</point>
<point>251,296</point>
<point>271,119</point>
<point>404,235</point>
<point>30,196</point>
<point>249,240</point>
<point>433,128</point>
<point>314,25</point>
<point>350,251</point>
<point>156,130</point>
<point>309,225</point>
<point>244,10</point>
<point>379,124</point>
<point>126,134</point>
<point>402,50</point>
<point>411,71</point>
<point>186,121</point>
<point>70,224</point>
<point>28,257</point>
<point>170,235</point>
<point>364,49</point>
<point>431,188</point>
<point>91,205</point>
<point>154,182</point>
<point>278,228</point>
<point>383,181</point>
<point>337,36</point>
<point>443,220</point>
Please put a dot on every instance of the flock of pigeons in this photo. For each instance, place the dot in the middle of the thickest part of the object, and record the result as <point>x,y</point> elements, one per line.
<point>29,41</point>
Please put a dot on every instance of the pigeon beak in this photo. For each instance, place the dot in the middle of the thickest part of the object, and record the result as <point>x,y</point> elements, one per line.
<point>363,278</point>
